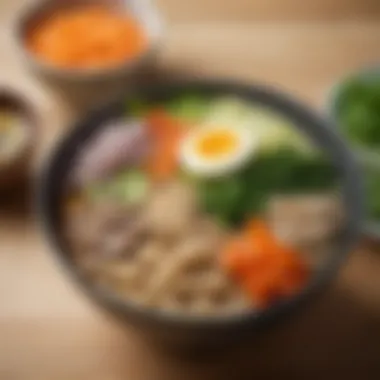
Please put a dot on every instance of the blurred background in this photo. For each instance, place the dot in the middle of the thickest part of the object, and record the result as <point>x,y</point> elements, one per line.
<point>49,331</point>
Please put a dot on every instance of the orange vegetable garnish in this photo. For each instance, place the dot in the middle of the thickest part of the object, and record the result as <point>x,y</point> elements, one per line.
<point>87,37</point>
<point>262,266</point>
<point>167,133</point>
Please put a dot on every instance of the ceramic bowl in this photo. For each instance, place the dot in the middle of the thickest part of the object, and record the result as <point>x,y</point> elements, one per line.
<point>178,329</point>
<point>143,10</point>
<point>369,159</point>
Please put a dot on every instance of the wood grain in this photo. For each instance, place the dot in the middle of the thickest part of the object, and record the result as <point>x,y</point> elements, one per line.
<point>303,58</point>
<point>270,10</point>
<point>50,331</point>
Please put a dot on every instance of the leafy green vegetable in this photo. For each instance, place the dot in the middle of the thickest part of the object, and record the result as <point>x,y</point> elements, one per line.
<point>136,107</point>
<point>358,110</point>
<point>128,187</point>
<point>191,107</point>
<point>229,110</point>
<point>222,198</point>
<point>283,170</point>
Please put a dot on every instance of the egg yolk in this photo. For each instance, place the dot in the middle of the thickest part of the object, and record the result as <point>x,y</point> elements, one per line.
<point>218,143</point>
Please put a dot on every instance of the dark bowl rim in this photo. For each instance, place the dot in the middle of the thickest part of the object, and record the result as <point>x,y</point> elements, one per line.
<point>283,103</point>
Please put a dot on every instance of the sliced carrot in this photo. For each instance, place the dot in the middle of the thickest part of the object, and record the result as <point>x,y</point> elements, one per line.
<point>161,125</point>
<point>167,133</point>
<point>262,266</point>
<point>264,289</point>
<point>237,256</point>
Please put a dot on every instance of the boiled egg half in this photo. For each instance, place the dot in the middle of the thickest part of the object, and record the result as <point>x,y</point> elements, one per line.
<point>213,150</point>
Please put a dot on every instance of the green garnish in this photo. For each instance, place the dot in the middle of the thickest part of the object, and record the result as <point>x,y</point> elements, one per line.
<point>283,170</point>
<point>136,108</point>
<point>128,187</point>
<point>358,109</point>
<point>191,107</point>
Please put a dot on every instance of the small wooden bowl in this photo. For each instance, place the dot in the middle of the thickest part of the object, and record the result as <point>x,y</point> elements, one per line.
<point>18,169</point>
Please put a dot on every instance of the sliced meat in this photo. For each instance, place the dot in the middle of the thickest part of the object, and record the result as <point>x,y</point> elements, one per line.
<point>170,211</point>
<point>105,231</point>
<point>193,256</point>
<point>210,230</point>
<point>303,220</point>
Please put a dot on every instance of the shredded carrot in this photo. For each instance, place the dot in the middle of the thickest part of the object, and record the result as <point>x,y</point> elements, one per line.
<point>166,133</point>
<point>87,37</point>
<point>262,266</point>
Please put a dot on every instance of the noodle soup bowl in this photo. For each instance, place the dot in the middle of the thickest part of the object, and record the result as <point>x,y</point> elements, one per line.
<point>178,328</point>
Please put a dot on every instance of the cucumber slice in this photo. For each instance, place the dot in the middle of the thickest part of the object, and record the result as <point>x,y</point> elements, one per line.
<point>129,188</point>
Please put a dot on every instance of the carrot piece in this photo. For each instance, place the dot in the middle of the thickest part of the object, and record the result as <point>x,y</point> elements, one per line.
<point>160,124</point>
<point>263,288</point>
<point>237,256</point>
<point>167,133</point>
<point>262,266</point>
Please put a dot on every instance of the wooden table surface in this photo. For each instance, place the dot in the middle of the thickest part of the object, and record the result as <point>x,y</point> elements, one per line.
<point>49,331</point>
